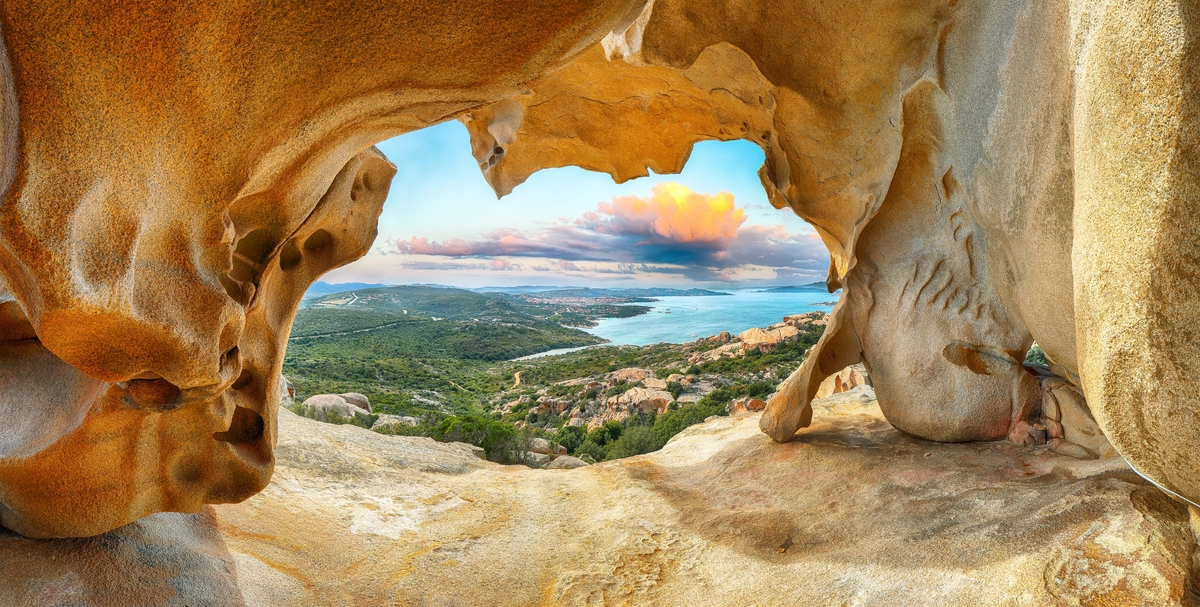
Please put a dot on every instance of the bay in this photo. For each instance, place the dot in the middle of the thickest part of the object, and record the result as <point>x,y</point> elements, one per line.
<point>684,319</point>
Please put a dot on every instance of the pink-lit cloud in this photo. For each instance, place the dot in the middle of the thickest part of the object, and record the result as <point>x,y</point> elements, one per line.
<point>674,230</point>
<point>672,213</point>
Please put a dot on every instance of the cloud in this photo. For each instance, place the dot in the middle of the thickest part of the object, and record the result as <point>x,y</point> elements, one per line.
<point>672,214</point>
<point>672,231</point>
<point>505,242</point>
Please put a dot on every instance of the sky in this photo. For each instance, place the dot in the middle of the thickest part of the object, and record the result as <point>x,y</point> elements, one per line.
<point>709,226</point>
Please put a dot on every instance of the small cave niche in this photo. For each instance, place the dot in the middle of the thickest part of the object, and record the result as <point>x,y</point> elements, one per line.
<point>246,428</point>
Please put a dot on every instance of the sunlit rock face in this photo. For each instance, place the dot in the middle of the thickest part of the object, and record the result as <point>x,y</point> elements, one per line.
<point>984,173</point>
<point>173,178</point>
<point>853,512</point>
<point>100,454</point>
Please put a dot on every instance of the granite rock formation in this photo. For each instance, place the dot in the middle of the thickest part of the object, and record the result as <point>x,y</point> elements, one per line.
<point>331,408</point>
<point>103,453</point>
<point>173,177</point>
<point>985,173</point>
<point>851,512</point>
<point>843,381</point>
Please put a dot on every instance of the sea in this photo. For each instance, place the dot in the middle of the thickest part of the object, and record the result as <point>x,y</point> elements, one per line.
<point>684,319</point>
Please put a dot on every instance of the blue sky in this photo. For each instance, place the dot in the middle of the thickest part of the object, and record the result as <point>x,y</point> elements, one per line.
<point>710,225</point>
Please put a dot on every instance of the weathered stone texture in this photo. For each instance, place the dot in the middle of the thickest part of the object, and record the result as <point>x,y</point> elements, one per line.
<point>986,173</point>
<point>852,512</point>
<point>173,177</point>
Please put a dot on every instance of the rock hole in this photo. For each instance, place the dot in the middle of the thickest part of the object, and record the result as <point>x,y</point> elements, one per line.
<point>252,249</point>
<point>499,151</point>
<point>1036,356</point>
<point>290,256</point>
<point>318,241</point>
<point>245,429</point>
<point>243,380</point>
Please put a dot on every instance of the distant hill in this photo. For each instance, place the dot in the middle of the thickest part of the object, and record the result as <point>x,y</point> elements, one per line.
<point>808,288</point>
<point>319,289</point>
<point>630,293</point>
<point>520,290</point>
<point>393,341</point>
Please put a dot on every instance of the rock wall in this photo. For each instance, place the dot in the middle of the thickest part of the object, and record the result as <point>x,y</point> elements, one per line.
<point>173,177</point>
<point>985,173</point>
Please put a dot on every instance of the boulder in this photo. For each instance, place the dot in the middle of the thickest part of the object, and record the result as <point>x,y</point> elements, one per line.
<point>1075,423</point>
<point>729,350</point>
<point>391,423</point>
<point>535,460</point>
<point>723,337</point>
<point>645,401</point>
<point>565,462</point>
<point>807,319</point>
<point>556,406</point>
<point>745,404</point>
<point>539,445</point>
<point>509,406</point>
<point>287,393</point>
<point>358,400</point>
<point>767,339</point>
<point>328,408</point>
<point>843,381</point>
<point>655,383</point>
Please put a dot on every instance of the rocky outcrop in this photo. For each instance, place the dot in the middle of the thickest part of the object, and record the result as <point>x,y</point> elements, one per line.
<point>854,512</point>
<point>357,400</point>
<point>843,381</point>
<point>632,402</point>
<point>554,406</point>
<point>287,393</point>
<point>766,339</point>
<point>159,420</point>
<point>161,226</point>
<point>745,404</point>
<point>984,174</point>
<point>539,445</point>
<point>969,177</point>
<point>728,350</point>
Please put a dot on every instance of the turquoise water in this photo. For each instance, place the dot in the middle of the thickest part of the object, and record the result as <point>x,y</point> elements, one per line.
<point>684,319</point>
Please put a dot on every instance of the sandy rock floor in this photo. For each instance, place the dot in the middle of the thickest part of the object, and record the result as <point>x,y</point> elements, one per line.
<point>851,513</point>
